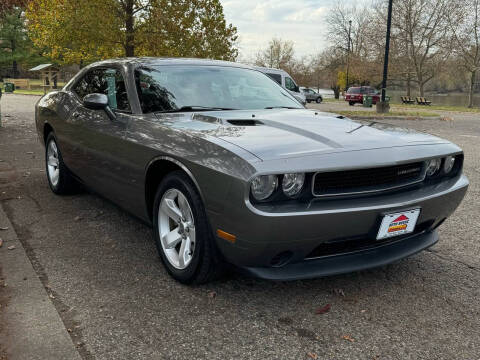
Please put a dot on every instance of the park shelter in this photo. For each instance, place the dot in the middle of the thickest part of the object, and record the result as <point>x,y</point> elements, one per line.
<point>48,74</point>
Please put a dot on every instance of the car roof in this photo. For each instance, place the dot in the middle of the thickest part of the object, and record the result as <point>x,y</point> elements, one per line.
<point>152,61</point>
<point>270,70</point>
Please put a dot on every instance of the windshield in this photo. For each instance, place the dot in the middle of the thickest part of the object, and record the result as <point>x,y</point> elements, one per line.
<point>170,88</point>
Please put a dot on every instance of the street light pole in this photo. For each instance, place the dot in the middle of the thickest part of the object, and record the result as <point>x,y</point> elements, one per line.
<point>387,51</point>
<point>348,53</point>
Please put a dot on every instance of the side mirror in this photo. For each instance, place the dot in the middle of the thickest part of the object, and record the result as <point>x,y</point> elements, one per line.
<point>98,102</point>
<point>95,101</point>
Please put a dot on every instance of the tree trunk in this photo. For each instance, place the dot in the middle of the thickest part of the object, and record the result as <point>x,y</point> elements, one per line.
<point>15,69</point>
<point>472,88</point>
<point>409,85</point>
<point>336,91</point>
<point>421,87</point>
<point>129,31</point>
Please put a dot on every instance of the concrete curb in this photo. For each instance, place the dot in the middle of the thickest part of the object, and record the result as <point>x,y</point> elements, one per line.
<point>34,330</point>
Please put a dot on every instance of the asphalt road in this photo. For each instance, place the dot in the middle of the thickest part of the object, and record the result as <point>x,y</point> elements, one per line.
<point>107,283</point>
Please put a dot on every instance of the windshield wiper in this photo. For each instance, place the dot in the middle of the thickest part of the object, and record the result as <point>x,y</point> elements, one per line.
<point>195,108</point>
<point>281,107</point>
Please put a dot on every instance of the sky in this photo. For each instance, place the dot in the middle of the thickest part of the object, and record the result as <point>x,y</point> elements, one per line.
<point>257,21</point>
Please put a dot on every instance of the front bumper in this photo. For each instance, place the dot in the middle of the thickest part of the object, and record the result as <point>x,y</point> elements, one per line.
<point>345,263</point>
<point>265,233</point>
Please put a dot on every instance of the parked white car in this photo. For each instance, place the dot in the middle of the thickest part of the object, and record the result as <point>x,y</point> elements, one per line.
<point>286,81</point>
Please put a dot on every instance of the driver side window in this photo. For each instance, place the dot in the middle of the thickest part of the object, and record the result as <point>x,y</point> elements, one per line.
<point>105,81</point>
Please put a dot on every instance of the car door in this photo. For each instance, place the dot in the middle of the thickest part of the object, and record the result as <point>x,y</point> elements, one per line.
<point>100,140</point>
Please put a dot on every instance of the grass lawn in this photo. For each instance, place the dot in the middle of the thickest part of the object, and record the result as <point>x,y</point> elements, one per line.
<point>373,114</point>
<point>421,108</point>
<point>35,83</point>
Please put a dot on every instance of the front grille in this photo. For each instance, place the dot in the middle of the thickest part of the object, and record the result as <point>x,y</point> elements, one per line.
<point>367,180</point>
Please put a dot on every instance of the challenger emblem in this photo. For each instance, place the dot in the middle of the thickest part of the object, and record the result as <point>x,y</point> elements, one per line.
<point>408,171</point>
<point>398,224</point>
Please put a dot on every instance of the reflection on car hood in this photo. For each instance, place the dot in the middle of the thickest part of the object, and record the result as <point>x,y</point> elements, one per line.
<point>284,133</point>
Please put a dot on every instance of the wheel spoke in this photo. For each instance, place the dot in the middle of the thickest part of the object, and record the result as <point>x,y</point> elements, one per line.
<point>171,239</point>
<point>54,177</point>
<point>184,253</point>
<point>184,207</point>
<point>191,233</point>
<point>171,209</point>
<point>52,161</point>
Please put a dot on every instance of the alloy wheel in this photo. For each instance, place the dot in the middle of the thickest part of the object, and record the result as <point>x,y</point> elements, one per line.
<point>176,227</point>
<point>53,163</point>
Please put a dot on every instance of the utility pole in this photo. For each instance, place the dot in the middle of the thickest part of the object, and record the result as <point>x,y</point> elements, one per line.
<point>384,107</point>
<point>387,50</point>
<point>348,52</point>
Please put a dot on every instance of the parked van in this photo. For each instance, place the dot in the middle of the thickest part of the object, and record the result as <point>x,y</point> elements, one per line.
<point>286,81</point>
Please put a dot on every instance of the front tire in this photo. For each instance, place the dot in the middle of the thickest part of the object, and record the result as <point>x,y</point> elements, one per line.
<point>182,233</point>
<point>59,178</point>
<point>351,103</point>
<point>319,100</point>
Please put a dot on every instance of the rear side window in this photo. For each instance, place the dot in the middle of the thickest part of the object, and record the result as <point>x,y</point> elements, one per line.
<point>353,91</point>
<point>276,77</point>
<point>105,81</point>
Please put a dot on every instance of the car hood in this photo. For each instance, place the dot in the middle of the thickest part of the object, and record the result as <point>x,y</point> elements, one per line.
<point>286,133</point>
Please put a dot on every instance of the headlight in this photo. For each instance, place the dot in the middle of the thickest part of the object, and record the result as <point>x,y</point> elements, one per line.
<point>263,186</point>
<point>292,184</point>
<point>433,166</point>
<point>449,163</point>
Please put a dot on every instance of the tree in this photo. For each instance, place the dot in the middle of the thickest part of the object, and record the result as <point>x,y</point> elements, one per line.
<point>465,24</point>
<point>278,54</point>
<point>423,28</point>
<point>15,46</point>
<point>195,28</point>
<point>87,30</point>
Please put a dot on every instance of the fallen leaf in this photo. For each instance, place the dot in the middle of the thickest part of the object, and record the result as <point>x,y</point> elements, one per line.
<point>11,247</point>
<point>323,310</point>
<point>69,330</point>
<point>77,218</point>
<point>312,355</point>
<point>29,152</point>
<point>1,242</point>
<point>51,296</point>
<point>362,311</point>
<point>339,292</point>
<point>212,294</point>
<point>348,338</point>
<point>4,228</point>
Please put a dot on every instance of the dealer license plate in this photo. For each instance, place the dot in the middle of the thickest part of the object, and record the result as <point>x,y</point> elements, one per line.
<point>397,224</point>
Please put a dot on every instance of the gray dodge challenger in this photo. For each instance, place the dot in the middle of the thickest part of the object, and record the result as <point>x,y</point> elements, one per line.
<point>228,168</point>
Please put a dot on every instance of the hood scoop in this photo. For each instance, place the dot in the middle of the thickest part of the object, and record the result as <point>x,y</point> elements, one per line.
<point>244,122</point>
<point>216,120</point>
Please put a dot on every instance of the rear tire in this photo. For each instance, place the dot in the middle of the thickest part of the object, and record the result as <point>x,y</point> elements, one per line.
<point>351,103</point>
<point>182,232</point>
<point>59,178</point>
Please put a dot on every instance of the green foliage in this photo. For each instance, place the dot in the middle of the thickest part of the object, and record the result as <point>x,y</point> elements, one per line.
<point>81,31</point>
<point>15,45</point>
<point>342,80</point>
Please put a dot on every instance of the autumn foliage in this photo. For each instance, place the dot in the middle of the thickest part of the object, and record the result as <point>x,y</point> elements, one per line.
<point>82,31</point>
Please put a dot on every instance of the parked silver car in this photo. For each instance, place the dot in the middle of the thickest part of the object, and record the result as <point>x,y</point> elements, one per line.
<point>286,81</point>
<point>311,95</point>
<point>227,167</point>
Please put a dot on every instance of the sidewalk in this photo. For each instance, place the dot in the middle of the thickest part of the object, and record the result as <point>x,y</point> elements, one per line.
<point>32,328</point>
